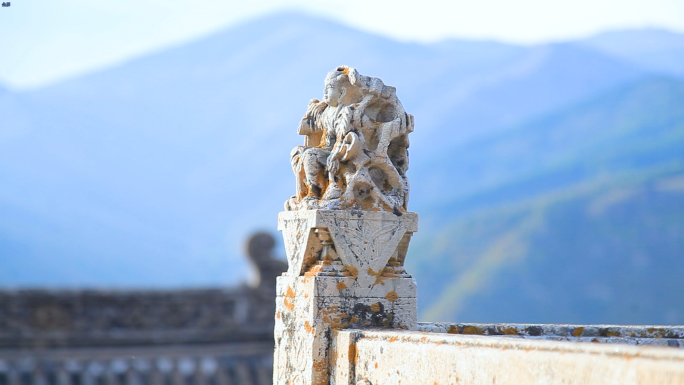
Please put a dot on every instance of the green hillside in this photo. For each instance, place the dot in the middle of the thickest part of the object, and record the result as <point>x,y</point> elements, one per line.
<point>569,229</point>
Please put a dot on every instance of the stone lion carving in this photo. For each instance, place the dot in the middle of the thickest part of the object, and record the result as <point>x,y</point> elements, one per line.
<point>355,154</point>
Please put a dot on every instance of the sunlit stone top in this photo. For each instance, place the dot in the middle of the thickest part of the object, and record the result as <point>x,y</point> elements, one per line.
<point>355,152</point>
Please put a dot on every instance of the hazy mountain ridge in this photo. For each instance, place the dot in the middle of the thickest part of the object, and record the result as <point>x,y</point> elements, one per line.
<point>577,257</point>
<point>576,251</point>
<point>152,172</point>
<point>652,48</point>
<point>588,141</point>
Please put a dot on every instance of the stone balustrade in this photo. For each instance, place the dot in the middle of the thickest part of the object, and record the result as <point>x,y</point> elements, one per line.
<point>404,357</point>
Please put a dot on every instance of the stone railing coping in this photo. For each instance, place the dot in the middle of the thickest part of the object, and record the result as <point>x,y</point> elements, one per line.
<point>656,335</point>
<point>378,356</point>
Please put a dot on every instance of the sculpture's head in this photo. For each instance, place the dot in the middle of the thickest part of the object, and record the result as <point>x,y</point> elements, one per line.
<point>340,86</point>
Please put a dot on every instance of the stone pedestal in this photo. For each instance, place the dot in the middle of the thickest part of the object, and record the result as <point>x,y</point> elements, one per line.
<point>345,271</point>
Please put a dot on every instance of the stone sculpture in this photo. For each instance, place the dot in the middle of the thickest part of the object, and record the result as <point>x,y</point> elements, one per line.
<point>347,228</point>
<point>355,154</point>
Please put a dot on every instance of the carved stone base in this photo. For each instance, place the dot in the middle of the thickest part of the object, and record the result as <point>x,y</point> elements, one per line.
<point>310,309</point>
<point>345,271</point>
<point>366,245</point>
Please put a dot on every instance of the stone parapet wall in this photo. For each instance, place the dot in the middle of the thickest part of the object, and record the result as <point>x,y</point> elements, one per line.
<point>210,336</point>
<point>651,335</point>
<point>402,357</point>
<point>63,318</point>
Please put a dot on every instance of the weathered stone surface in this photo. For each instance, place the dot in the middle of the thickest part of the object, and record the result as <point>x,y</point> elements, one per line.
<point>345,270</point>
<point>367,245</point>
<point>347,229</point>
<point>355,154</point>
<point>393,357</point>
<point>310,308</point>
<point>651,335</point>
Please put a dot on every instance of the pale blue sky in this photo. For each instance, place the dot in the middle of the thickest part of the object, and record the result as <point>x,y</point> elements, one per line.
<point>43,41</point>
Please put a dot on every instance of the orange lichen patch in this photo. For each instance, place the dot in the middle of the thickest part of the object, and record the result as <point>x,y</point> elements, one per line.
<point>354,319</point>
<point>323,136</point>
<point>288,301</point>
<point>392,296</point>
<point>376,365</point>
<point>338,325</point>
<point>278,314</point>
<point>393,339</point>
<point>350,271</point>
<point>453,330</point>
<point>375,307</point>
<point>393,262</point>
<point>472,330</point>
<point>345,70</point>
<point>578,331</point>
<point>424,339</point>
<point>327,259</point>
<point>313,271</point>
<point>510,331</point>
<point>352,353</point>
<point>341,286</point>
<point>308,328</point>
<point>379,279</point>
<point>321,373</point>
<point>334,319</point>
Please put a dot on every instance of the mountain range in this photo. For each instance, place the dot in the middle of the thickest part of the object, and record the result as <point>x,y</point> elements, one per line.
<point>152,172</point>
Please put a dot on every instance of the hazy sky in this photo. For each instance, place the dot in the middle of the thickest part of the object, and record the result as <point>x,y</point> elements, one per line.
<point>42,41</point>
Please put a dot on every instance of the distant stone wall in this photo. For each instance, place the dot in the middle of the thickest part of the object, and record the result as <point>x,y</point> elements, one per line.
<point>52,318</point>
<point>143,337</point>
<point>210,336</point>
<point>248,363</point>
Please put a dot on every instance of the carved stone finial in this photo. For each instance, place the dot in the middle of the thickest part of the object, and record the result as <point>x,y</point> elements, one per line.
<point>355,154</point>
<point>347,229</point>
<point>265,268</point>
